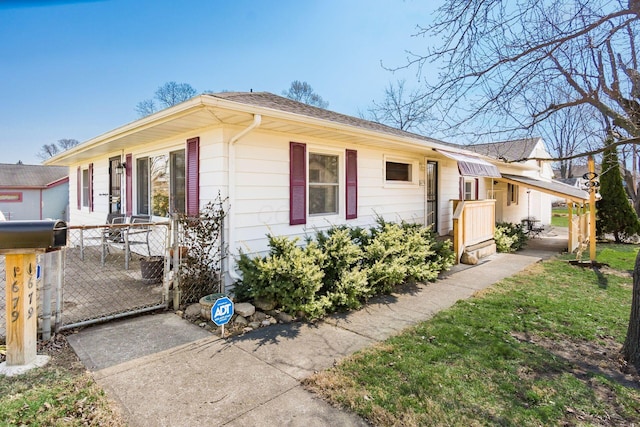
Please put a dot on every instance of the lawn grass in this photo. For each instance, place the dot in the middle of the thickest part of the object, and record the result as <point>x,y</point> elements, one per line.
<point>560,217</point>
<point>61,393</point>
<point>505,357</point>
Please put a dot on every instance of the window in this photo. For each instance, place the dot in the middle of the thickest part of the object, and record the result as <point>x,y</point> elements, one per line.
<point>178,181</point>
<point>161,184</point>
<point>85,188</point>
<point>142,175</point>
<point>323,184</point>
<point>317,176</point>
<point>470,189</point>
<point>395,171</point>
<point>10,197</point>
<point>512,194</point>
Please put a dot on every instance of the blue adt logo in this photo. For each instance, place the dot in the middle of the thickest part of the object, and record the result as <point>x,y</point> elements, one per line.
<point>222,311</point>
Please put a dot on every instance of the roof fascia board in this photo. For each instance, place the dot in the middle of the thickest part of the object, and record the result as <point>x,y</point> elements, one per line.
<point>328,124</point>
<point>155,119</point>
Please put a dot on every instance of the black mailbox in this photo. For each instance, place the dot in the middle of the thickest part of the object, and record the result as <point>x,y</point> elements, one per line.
<point>45,234</point>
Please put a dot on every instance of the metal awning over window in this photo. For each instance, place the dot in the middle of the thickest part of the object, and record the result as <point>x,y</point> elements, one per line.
<point>469,165</point>
<point>555,188</point>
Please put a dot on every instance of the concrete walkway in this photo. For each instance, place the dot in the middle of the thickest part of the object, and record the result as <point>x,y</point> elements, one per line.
<point>165,371</point>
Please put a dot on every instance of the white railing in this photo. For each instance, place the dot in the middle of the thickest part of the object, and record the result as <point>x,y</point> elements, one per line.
<point>474,221</point>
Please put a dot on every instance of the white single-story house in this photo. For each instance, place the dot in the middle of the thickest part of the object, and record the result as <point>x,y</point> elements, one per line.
<point>289,169</point>
<point>34,192</point>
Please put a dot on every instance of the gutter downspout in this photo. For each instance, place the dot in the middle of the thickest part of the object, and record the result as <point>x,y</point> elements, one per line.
<point>231,168</point>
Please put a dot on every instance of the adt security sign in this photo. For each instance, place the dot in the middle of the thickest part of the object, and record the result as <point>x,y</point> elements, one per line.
<point>222,311</point>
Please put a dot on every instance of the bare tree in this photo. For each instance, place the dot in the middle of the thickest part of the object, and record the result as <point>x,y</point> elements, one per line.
<point>303,92</point>
<point>167,95</point>
<point>146,107</point>
<point>49,150</point>
<point>497,54</point>
<point>399,109</point>
<point>568,132</point>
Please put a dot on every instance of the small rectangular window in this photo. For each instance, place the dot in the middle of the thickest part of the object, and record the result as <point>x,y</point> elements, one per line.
<point>323,184</point>
<point>468,190</point>
<point>10,197</point>
<point>85,188</point>
<point>512,194</point>
<point>395,171</point>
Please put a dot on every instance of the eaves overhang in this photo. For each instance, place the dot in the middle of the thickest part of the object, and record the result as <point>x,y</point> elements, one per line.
<point>189,117</point>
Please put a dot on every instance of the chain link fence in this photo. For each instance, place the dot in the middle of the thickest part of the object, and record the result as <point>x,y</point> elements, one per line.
<point>110,271</point>
<point>115,270</point>
<point>105,272</point>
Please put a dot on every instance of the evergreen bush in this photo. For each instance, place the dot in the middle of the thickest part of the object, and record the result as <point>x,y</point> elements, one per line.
<point>615,213</point>
<point>509,237</point>
<point>342,267</point>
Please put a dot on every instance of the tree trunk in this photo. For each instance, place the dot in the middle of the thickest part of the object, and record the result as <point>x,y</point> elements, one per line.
<point>631,346</point>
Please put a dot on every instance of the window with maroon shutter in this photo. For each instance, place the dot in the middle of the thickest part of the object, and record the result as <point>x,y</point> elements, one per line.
<point>128,184</point>
<point>352,184</point>
<point>90,187</point>
<point>297,183</point>
<point>79,187</point>
<point>193,180</point>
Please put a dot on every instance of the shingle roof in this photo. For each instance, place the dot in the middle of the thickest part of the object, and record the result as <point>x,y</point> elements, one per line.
<point>275,102</point>
<point>509,150</point>
<point>15,175</point>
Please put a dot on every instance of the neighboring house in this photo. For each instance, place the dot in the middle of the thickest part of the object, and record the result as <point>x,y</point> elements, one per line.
<point>287,168</point>
<point>515,198</point>
<point>33,192</point>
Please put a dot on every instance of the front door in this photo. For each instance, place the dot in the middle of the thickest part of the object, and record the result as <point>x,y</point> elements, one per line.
<point>115,186</point>
<point>431,195</point>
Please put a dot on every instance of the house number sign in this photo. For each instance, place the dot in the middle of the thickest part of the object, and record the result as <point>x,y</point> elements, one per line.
<point>21,308</point>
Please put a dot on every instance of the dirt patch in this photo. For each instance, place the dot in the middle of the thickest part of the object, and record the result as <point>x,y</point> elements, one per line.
<point>586,358</point>
<point>597,357</point>
<point>61,354</point>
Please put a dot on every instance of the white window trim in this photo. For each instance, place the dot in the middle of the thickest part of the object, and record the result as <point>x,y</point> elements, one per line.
<point>166,150</point>
<point>85,202</point>
<point>475,188</point>
<point>320,220</point>
<point>415,172</point>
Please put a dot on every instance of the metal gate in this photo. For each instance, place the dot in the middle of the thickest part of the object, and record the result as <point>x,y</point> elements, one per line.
<point>114,271</point>
<point>104,273</point>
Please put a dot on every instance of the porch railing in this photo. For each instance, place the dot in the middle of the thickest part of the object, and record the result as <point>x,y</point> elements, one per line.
<point>474,221</point>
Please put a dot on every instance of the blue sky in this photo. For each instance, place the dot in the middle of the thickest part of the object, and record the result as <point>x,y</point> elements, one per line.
<point>76,69</point>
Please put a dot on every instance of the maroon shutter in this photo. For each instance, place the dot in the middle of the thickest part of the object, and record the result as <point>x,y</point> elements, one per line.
<point>128,183</point>
<point>297,183</point>
<point>193,176</point>
<point>461,185</point>
<point>90,187</point>
<point>351,175</point>
<point>79,188</point>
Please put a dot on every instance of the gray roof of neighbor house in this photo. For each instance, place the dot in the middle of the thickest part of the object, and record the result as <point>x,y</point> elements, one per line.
<point>30,176</point>
<point>276,102</point>
<point>507,150</point>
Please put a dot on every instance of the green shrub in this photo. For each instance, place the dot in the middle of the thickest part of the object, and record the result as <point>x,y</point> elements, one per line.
<point>342,267</point>
<point>509,237</point>
<point>345,284</point>
<point>290,275</point>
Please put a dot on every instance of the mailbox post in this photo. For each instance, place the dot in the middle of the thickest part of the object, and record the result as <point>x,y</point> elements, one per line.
<point>20,241</point>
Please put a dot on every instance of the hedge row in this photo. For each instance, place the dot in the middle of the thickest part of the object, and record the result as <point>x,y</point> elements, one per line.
<point>342,267</point>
